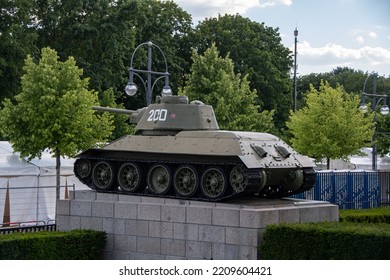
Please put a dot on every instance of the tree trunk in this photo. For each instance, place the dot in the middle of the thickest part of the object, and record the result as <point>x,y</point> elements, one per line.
<point>58,173</point>
<point>328,163</point>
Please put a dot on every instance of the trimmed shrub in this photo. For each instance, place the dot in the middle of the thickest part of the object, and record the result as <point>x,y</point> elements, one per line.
<point>45,245</point>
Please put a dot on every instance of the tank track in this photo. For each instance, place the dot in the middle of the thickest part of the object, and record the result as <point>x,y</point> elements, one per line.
<point>253,177</point>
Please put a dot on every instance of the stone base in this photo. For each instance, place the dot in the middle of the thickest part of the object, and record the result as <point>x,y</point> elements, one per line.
<point>140,227</point>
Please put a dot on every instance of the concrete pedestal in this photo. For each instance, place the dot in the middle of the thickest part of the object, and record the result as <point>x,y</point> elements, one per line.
<point>140,227</point>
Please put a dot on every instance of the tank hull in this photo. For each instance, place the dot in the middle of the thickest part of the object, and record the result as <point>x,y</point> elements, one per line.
<point>208,165</point>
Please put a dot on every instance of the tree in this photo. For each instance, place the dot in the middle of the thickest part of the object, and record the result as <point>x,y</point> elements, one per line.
<point>256,50</point>
<point>53,111</point>
<point>331,125</point>
<point>102,35</point>
<point>17,40</point>
<point>213,81</point>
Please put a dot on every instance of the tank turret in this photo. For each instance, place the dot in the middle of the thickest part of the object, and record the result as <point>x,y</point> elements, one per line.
<point>169,115</point>
<point>178,150</point>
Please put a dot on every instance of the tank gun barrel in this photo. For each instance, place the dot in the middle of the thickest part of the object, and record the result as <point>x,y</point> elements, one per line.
<point>113,110</point>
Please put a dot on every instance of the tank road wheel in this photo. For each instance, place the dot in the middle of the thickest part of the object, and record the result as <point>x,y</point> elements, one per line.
<point>159,179</point>
<point>83,168</point>
<point>103,176</point>
<point>214,183</point>
<point>130,178</point>
<point>186,181</point>
<point>238,178</point>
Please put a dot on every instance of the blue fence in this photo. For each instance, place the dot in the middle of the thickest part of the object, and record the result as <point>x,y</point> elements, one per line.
<point>352,189</point>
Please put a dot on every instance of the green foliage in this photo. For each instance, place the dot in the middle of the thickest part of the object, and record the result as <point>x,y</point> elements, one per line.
<point>383,134</point>
<point>256,50</point>
<point>326,241</point>
<point>120,122</point>
<point>330,125</point>
<point>372,215</point>
<point>17,39</point>
<point>53,110</point>
<point>213,81</point>
<point>72,245</point>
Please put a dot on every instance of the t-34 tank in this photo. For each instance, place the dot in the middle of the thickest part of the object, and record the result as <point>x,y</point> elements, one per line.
<point>179,150</point>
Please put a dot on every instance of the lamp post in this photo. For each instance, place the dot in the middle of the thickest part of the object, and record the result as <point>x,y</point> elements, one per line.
<point>131,88</point>
<point>384,111</point>
<point>295,68</point>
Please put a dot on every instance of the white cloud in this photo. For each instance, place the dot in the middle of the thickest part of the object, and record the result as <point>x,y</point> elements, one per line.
<point>330,56</point>
<point>359,39</point>
<point>211,8</point>
<point>372,34</point>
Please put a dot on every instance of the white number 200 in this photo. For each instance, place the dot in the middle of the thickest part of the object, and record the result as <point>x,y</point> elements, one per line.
<point>158,115</point>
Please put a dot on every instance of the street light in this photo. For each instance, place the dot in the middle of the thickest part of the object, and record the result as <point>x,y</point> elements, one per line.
<point>384,110</point>
<point>295,68</point>
<point>131,88</point>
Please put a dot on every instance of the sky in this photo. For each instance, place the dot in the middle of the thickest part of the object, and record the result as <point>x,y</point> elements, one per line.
<point>331,33</point>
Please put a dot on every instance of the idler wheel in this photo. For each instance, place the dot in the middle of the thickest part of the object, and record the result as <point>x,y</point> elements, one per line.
<point>159,179</point>
<point>130,178</point>
<point>214,183</point>
<point>238,178</point>
<point>186,181</point>
<point>83,168</point>
<point>103,176</point>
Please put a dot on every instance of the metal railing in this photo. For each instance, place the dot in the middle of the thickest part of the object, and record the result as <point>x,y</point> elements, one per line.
<point>28,226</point>
<point>351,189</point>
<point>30,208</point>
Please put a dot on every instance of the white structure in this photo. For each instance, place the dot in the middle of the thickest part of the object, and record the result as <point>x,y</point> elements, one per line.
<point>358,162</point>
<point>27,188</point>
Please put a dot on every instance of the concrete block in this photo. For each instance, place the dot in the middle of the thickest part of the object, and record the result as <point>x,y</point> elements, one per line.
<point>329,213</point>
<point>130,198</point>
<point>114,226</point>
<point>289,215</point>
<point>309,214</point>
<point>63,222</point>
<point>226,217</point>
<point>221,251</point>
<point>186,231</point>
<point>143,256</point>
<point>125,210</point>
<point>74,222</point>
<point>85,195</point>
<point>198,250</point>
<point>125,243</point>
<point>148,245</point>
<point>175,201</point>
<point>258,218</point>
<point>103,208</point>
<point>242,236</point>
<point>172,247</point>
<point>63,207</point>
<point>109,242</point>
<point>214,234</point>
<point>107,196</point>
<point>198,215</point>
<point>81,208</point>
<point>203,203</point>
<point>116,255</point>
<point>137,228</point>
<point>152,200</point>
<point>150,212</point>
<point>160,229</point>
<point>94,223</point>
<point>247,253</point>
<point>173,213</point>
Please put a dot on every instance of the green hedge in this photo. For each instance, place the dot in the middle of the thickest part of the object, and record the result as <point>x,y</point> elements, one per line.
<point>49,245</point>
<point>373,215</point>
<point>360,234</point>
<point>326,241</point>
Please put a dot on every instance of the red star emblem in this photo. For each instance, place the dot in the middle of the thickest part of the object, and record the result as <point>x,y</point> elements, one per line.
<point>172,116</point>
